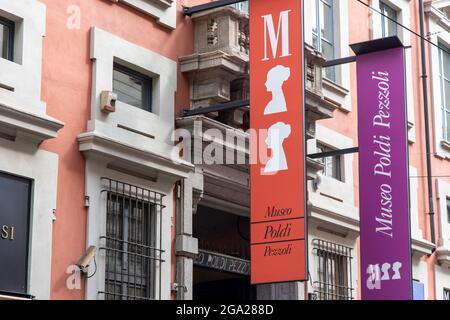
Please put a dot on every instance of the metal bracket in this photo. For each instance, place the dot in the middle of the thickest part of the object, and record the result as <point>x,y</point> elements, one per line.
<point>332,153</point>
<point>336,62</point>
<point>218,107</point>
<point>175,287</point>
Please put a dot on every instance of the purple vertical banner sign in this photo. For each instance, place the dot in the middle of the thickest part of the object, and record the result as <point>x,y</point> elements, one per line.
<point>383,171</point>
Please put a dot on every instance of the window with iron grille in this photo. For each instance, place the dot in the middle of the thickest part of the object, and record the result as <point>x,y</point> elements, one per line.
<point>132,242</point>
<point>333,280</point>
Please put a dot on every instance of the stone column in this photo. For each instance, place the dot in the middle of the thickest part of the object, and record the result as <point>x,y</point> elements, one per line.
<point>189,191</point>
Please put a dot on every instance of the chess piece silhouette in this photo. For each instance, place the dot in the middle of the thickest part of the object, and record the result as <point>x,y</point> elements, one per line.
<point>275,80</point>
<point>276,135</point>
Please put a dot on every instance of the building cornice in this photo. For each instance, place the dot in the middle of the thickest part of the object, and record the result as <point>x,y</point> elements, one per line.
<point>438,16</point>
<point>163,10</point>
<point>335,219</point>
<point>133,158</point>
<point>443,256</point>
<point>15,122</point>
<point>421,247</point>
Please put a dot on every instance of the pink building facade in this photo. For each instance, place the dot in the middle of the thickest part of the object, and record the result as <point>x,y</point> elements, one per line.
<point>95,94</point>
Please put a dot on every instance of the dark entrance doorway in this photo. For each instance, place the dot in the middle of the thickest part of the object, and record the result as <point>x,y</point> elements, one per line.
<point>212,285</point>
<point>15,193</point>
<point>222,269</point>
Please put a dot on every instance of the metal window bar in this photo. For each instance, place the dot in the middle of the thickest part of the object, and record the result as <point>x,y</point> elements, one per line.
<point>334,271</point>
<point>132,242</point>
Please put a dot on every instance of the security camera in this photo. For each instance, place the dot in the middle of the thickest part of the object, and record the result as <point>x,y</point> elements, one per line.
<point>85,260</point>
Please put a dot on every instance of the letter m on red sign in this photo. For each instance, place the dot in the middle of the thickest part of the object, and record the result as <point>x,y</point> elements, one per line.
<point>272,36</point>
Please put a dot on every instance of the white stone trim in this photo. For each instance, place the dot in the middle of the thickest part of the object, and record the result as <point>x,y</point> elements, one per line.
<point>416,232</point>
<point>403,14</point>
<point>442,281</point>
<point>439,4</point>
<point>22,159</point>
<point>128,156</point>
<point>95,170</point>
<point>443,245</point>
<point>342,190</point>
<point>341,25</point>
<point>443,192</point>
<point>22,113</point>
<point>439,35</point>
<point>16,122</point>
<point>435,10</point>
<point>156,126</point>
<point>420,246</point>
<point>24,74</point>
<point>164,11</point>
<point>420,273</point>
<point>337,92</point>
<point>333,201</point>
<point>404,17</point>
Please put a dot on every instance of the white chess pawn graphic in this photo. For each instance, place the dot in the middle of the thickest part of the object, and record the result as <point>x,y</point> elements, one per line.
<point>396,267</point>
<point>373,281</point>
<point>275,138</point>
<point>275,80</point>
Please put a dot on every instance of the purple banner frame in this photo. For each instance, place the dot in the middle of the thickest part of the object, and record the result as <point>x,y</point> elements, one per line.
<point>385,242</point>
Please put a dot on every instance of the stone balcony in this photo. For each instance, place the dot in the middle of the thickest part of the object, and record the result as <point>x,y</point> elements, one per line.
<point>221,55</point>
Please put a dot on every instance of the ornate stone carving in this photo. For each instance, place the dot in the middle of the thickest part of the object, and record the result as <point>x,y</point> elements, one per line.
<point>221,55</point>
<point>212,34</point>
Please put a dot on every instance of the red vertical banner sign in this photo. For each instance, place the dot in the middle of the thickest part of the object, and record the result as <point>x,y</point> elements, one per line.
<point>278,175</point>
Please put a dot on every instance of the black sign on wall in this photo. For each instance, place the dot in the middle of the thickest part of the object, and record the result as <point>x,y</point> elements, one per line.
<point>15,194</point>
<point>221,262</point>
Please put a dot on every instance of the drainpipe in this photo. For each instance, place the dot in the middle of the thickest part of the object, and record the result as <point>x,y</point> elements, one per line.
<point>424,77</point>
